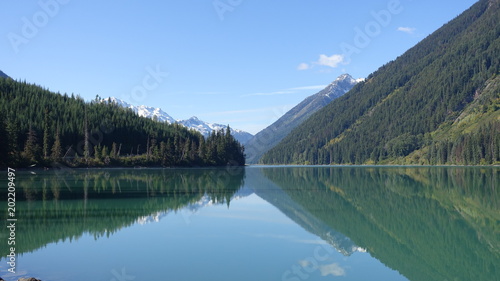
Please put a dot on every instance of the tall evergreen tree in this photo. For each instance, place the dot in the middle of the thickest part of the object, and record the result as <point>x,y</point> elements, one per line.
<point>13,146</point>
<point>4,143</point>
<point>114,151</point>
<point>57,147</point>
<point>86,145</point>
<point>31,147</point>
<point>46,144</point>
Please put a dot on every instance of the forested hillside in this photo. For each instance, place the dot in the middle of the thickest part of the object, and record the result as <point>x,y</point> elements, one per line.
<point>439,103</point>
<point>274,133</point>
<point>41,128</point>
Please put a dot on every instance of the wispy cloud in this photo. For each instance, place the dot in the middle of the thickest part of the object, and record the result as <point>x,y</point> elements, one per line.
<point>409,30</point>
<point>209,93</point>
<point>303,66</point>
<point>332,61</point>
<point>246,217</point>
<point>333,269</point>
<point>252,110</point>
<point>290,238</point>
<point>317,87</point>
<point>287,91</point>
<point>270,93</point>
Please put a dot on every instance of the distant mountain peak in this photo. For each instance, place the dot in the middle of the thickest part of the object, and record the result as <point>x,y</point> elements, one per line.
<point>344,76</point>
<point>194,122</point>
<point>406,112</point>
<point>142,110</point>
<point>348,78</point>
<point>274,133</point>
<point>340,86</point>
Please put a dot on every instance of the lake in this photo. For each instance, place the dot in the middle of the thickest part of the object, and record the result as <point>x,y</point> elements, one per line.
<point>255,223</point>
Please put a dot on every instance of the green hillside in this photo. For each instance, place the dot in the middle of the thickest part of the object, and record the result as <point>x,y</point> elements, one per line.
<point>439,103</point>
<point>274,133</point>
<point>38,127</point>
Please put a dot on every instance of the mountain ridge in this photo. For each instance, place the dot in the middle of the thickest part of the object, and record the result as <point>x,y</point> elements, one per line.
<point>205,128</point>
<point>403,105</point>
<point>274,133</point>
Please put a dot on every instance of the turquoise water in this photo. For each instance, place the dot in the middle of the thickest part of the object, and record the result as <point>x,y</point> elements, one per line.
<point>256,223</point>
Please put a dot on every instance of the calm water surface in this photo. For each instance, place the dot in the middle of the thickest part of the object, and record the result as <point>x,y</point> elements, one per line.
<point>256,223</point>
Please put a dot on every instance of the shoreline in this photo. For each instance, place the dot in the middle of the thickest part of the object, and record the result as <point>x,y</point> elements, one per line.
<point>61,168</point>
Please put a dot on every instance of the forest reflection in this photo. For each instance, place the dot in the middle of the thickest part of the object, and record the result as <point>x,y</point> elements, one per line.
<point>431,223</point>
<point>55,206</point>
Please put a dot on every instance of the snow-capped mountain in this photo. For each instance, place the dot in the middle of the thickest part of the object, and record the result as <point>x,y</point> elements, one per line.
<point>144,111</point>
<point>206,128</point>
<point>340,86</point>
<point>158,114</point>
<point>274,133</point>
<point>190,209</point>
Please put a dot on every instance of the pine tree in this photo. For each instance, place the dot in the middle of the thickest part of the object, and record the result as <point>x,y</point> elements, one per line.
<point>57,147</point>
<point>154,150</point>
<point>4,143</point>
<point>97,153</point>
<point>13,147</point>
<point>163,153</point>
<point>148,152</point>
<point>104,152</point>
<point>105,155</point>
<point>46,134</point>
<point>31,148</point>
<point>114,152</point>
<point>86,145</point>
<point>202,149</point>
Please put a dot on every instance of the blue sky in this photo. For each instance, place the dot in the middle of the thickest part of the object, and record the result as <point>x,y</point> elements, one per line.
<point>238,62</point>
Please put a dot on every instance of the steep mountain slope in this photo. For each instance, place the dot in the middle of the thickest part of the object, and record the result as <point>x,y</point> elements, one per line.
<point>158,114</point>
<point>408,103</point>
<point>2,74</point>
<point>472,138</point>
<point>273,134</point>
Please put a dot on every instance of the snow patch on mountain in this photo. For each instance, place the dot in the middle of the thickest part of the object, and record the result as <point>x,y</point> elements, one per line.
<point>341,85</point>
<point>206,128</point>
<point>191,209</point>
<point>158,114</point>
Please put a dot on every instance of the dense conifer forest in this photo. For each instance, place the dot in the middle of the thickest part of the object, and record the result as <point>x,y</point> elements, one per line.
<point>439,103</point>
<point>44,129</point>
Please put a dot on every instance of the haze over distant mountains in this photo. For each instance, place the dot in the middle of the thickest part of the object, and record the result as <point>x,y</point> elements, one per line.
<point>273,134</point>
<point>158,114</point>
